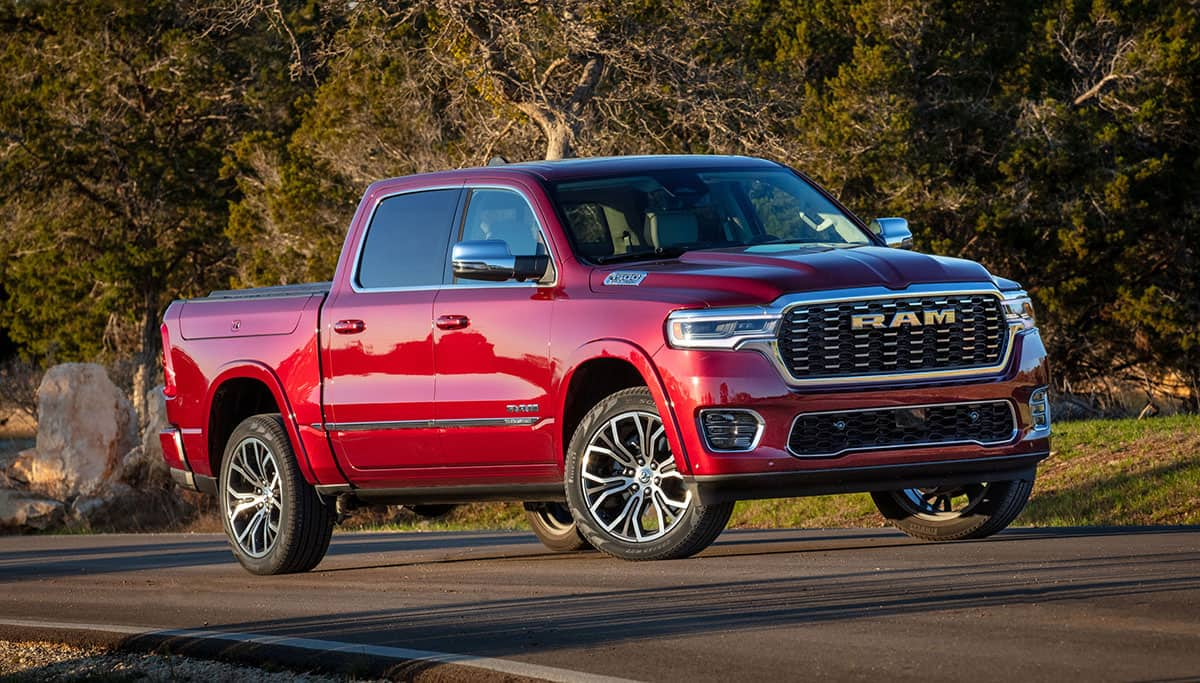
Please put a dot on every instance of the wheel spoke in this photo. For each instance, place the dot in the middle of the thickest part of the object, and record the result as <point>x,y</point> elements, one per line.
<point>677,504</point>
<point>618,446</point>
<point>250,526</point>
<point>604,496</point>
<point>622,458</point>
<point>241,471</point>
<point>242,507</point>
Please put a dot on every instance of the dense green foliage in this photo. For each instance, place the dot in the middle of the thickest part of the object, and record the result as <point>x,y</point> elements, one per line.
<point>152,150</point>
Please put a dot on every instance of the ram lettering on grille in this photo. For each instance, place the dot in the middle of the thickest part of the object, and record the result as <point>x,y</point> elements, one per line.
<point>893,336</point>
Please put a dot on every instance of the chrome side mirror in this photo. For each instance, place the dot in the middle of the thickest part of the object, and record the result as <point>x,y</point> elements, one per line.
<point>492,261</point>
<point>894,231</point>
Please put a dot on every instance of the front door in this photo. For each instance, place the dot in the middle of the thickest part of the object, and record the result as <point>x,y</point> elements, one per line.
<point>379,388</point>
<point>491,347</point>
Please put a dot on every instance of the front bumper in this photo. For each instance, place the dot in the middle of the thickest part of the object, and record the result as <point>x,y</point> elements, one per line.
<point>701,380</point>
<point>711,489</point>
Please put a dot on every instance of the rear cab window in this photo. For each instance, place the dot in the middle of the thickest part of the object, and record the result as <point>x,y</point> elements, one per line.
<point>406,242</point>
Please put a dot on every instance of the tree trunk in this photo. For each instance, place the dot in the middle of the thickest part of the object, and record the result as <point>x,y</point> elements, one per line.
<point>146,367</point>
<point>558,141</point>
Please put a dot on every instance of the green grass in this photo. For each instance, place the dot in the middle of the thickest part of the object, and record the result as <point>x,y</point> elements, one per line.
<point>1101,472</point>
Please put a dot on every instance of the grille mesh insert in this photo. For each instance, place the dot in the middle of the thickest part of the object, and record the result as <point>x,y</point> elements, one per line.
<point>989,422</point>
<point>817,340</point>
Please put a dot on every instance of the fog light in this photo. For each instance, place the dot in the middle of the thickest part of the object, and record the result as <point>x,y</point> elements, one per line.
<point>1039,407</point>
<point>731,430</point>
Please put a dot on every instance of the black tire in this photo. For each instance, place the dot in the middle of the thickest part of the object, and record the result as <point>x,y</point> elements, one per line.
<point>990,508</point>
<point>692,529</point>
<point>555,527</point>
<point>304,521</point>
<point>432,511</point>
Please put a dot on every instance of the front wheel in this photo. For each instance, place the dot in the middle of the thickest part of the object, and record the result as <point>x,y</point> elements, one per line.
<point>275,520</point>
<point>952,513</point>
<point>624,489</point>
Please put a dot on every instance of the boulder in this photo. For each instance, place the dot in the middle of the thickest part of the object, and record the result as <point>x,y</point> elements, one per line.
<point>144,465</point>
<point>119,507</point>
<point>85,426</point>
<point>23,511</point>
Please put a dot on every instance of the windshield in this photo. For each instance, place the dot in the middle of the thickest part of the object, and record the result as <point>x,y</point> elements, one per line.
<point>666,213</point>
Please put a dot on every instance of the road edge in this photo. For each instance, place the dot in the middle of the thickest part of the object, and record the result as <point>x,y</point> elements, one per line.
<point>301,654</point>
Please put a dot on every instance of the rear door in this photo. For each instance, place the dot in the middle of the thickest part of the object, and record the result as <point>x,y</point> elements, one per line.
<point>492,345</point>
<point>379,388</point>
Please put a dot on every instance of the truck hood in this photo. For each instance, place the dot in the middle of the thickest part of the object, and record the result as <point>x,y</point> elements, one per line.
<point>760,274</point>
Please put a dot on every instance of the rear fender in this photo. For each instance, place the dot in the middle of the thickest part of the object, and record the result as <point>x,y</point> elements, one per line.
<point>246,369</point>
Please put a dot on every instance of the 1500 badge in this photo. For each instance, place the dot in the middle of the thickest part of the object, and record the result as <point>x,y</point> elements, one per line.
<point>627,278</point>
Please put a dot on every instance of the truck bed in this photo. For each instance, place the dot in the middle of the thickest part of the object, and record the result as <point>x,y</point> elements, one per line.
<point>303,289</point>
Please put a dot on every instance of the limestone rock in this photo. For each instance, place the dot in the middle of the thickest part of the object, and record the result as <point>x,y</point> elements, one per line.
<point>119,507</point>
<point>144,465</point>
<point>22,511</point>
<point>85,426</point>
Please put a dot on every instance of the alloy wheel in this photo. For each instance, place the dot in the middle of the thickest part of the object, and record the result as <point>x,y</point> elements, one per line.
<point>629,479</point>
<point>941,502</point>
<point>254,498</point>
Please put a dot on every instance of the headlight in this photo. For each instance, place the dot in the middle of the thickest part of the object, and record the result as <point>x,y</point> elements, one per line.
<point>1018,308</point>
<point>720,328</point>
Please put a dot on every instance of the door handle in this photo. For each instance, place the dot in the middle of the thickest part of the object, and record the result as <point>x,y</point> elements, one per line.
<point>452,322</point>
<point>349,326</point>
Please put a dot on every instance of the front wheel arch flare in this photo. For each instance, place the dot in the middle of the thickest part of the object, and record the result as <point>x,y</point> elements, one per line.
<point>636,358</point>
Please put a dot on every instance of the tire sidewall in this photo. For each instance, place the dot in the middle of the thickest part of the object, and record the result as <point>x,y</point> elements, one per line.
<point>269,430</point>
<point>997,499</point>
<point>621,402</point>
<point>564,538</point>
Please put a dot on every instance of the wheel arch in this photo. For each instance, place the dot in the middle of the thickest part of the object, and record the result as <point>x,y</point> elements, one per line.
<point>602,367</point>
<point>240,390</point>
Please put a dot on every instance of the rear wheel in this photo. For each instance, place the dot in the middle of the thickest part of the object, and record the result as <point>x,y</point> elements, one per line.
<point>624,489</point>
<point>274,519</point>
<point>951,513</point>
<point>555,527</point>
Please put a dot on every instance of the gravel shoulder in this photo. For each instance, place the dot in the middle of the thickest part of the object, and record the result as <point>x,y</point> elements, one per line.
<point>37,661</point>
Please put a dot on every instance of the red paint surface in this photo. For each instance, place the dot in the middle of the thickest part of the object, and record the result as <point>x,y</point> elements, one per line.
<point>520,346</point>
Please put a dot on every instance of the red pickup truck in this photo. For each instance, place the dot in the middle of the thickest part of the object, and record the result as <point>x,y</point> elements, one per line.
<point>626,345</point>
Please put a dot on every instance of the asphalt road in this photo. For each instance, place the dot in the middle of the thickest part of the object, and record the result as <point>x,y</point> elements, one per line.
<point>1037,605</point>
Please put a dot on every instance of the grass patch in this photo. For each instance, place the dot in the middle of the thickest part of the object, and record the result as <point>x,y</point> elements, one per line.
<point>1103,472</point>
<point>1120,472</point>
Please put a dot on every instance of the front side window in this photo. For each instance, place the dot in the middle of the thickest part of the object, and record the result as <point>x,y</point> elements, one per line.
<point>667,213</point>
<point>503,215</point>
<point>406,241</point>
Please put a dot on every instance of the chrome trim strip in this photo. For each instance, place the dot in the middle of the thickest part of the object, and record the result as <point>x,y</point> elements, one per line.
<point>1011,437</point>
<point>465,187</point>
<point>433,424</point>
<point>762,426</point>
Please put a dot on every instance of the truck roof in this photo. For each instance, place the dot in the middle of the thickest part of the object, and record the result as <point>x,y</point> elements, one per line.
<point>596,167</point>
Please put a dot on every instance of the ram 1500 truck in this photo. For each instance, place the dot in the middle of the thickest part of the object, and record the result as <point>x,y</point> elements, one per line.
<point>626,345</point>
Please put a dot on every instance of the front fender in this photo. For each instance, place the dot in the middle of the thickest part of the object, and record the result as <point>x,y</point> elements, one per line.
<point>640,359</point>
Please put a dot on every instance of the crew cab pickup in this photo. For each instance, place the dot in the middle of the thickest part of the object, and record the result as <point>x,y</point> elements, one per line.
<point>626,345</point>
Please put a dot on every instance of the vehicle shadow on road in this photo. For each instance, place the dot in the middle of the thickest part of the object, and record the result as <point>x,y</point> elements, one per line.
<point>566,618</point>
<point>61,557</point>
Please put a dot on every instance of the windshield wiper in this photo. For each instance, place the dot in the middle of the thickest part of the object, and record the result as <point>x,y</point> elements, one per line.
<point>660,253</point>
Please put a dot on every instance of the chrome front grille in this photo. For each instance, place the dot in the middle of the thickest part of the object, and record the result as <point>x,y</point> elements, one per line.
<point>819,340</point>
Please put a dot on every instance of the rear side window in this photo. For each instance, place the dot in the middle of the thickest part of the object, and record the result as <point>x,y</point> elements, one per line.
<point>406,241</point>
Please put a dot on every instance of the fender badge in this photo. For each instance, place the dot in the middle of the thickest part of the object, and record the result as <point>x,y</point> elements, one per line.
<point>626,278</point>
